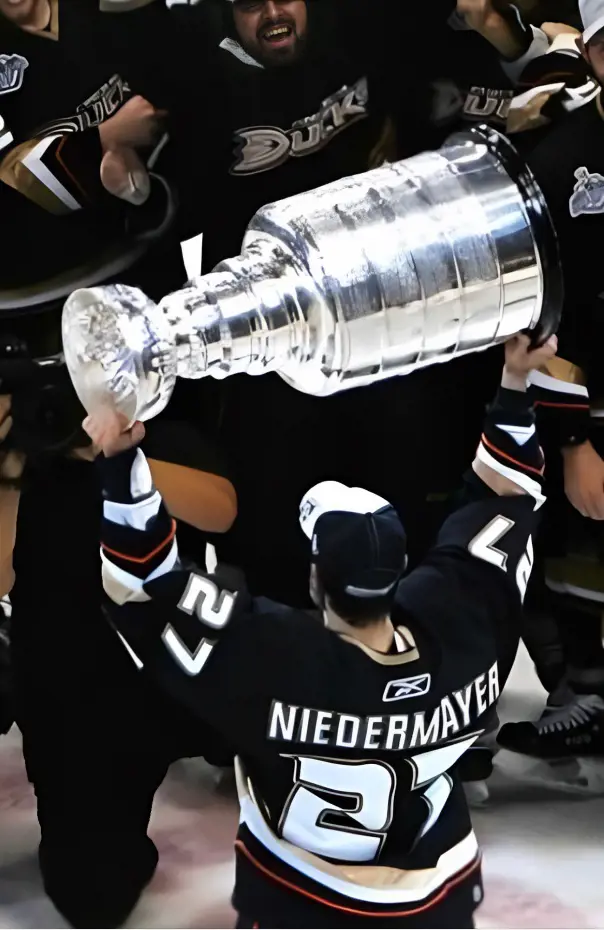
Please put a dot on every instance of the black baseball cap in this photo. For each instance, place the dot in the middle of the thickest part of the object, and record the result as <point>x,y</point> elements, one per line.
<point>359,544</point>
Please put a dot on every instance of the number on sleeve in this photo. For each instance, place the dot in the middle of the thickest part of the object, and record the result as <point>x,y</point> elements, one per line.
<point>213,607</point>
<point>525,567</point>
<point>484,547</point>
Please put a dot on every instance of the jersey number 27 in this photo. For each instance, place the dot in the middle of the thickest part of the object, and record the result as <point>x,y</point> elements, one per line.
<point>484,547</point>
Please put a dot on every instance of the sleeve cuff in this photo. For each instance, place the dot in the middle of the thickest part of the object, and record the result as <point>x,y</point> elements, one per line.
<point>513,401</point>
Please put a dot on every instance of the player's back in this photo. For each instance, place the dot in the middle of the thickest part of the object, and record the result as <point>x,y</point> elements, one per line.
<point>346,755</point>
<point>344,761</point>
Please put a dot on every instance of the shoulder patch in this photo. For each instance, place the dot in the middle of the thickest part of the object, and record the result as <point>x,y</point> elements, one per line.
<point>588,194</point>
<point>12,69</point>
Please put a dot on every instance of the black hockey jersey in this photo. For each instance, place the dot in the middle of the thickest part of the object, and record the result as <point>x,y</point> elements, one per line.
<point>345,754</point>
<point>466,78</point>
<point>53,96</point>
<point>568,164</point>
<point>246,135</point>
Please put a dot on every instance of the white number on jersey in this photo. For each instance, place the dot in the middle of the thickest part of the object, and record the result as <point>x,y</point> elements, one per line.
<point>354,826</point>
<point>483,546</point>
<point>213,607</point>
<point>343,810</point>
<point>525,567</point>
<point>6,137</point>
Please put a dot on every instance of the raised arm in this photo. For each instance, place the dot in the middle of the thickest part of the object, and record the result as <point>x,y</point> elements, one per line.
<point>509,459</point>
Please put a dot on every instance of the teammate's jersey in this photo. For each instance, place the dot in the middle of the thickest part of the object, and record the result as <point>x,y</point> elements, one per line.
<point>550,89</point>
<point>569,167</point>
<point>56,87</point>
<point>246,135</point>
<point>345,754</point>
<point>468,81</point>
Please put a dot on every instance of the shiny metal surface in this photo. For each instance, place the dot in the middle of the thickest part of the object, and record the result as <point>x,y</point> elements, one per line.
<point>369,277</point>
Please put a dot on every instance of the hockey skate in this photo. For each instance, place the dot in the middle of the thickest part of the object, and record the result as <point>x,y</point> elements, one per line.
<point>563,750</point>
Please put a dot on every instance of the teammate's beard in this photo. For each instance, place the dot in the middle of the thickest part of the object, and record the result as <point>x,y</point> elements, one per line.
<point>280,57</point>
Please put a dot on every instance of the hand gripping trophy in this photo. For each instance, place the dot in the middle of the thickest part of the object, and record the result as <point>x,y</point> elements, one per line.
<point>373,276</point>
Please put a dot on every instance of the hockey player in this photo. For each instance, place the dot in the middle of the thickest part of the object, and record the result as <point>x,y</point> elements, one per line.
<point>305,97</point>
<point>569,167</point>
<point>73,135</point>
<point>346,729</point>
<point>69,143</point>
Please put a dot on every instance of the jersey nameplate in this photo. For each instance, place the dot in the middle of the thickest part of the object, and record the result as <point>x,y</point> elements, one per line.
<point>213,607</point>
<point>395,732</point>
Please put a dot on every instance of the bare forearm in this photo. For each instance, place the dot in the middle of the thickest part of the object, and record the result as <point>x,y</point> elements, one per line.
<point>499,33</point>
<point>200,499</point>
<point>513,381</point>
<point>9,506</point>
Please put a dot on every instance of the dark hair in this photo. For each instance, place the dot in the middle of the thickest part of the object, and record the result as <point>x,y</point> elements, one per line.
<point>357,611</point>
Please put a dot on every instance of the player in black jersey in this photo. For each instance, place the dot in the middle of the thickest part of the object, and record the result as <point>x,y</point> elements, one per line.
<point>569,167</point>
<point>344,102</point>
<point>73,133</point>
<point>347,729</point>
<point>70,102</point>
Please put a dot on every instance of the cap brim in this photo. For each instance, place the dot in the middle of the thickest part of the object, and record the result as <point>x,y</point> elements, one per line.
<point>593,28</point>
<point>329,496</point>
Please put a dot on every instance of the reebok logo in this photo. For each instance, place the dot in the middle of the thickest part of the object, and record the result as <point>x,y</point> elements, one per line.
<point>407,687</point>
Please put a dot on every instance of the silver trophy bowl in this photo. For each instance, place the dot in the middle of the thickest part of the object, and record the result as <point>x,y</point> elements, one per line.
<point>445,253</point>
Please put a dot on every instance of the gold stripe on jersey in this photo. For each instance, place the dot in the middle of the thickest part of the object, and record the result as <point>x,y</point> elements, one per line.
<point>24,170</point>
<point>562,370</point>
<point>577,575</point>
<point>381,885</point>
<point>384,150</point>
<point>527,112</point>
<point>399,658</point>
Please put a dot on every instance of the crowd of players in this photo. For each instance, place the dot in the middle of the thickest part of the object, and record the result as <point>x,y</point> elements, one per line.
<point>126,128</point>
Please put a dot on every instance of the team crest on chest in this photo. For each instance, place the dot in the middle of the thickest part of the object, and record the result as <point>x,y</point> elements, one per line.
<point>12,69</point>
<point>588,195</point>
<point>262,148</point>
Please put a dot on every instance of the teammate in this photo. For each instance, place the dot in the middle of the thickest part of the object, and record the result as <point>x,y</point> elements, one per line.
<point>349,813</point>
<point>73,135</point>
<point>468,81</point>
<point>286,115</point>
<point>569,167</point>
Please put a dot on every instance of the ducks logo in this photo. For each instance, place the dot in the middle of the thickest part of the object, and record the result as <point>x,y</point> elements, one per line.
<point>12,69</point>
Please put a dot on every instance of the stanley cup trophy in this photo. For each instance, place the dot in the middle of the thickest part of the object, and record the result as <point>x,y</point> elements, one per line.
<point>373,276</point>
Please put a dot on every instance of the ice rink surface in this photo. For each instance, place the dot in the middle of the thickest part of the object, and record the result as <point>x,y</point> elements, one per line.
<point>543,848</point>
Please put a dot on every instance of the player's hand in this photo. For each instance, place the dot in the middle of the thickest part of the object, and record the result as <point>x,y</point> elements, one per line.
<point>11,462</point>
<point>521,358</point>
<point>553,30</point>
<point>584,480</point>
<point>124,175</point>
<point>110,432</point>
<point>136,125</point>
<point>486,17</point>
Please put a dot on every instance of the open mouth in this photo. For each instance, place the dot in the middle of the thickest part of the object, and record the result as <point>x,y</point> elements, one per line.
<point>281,34</point>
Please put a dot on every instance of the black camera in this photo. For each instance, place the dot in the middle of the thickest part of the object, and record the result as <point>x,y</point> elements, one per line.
<point>45,408</point>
